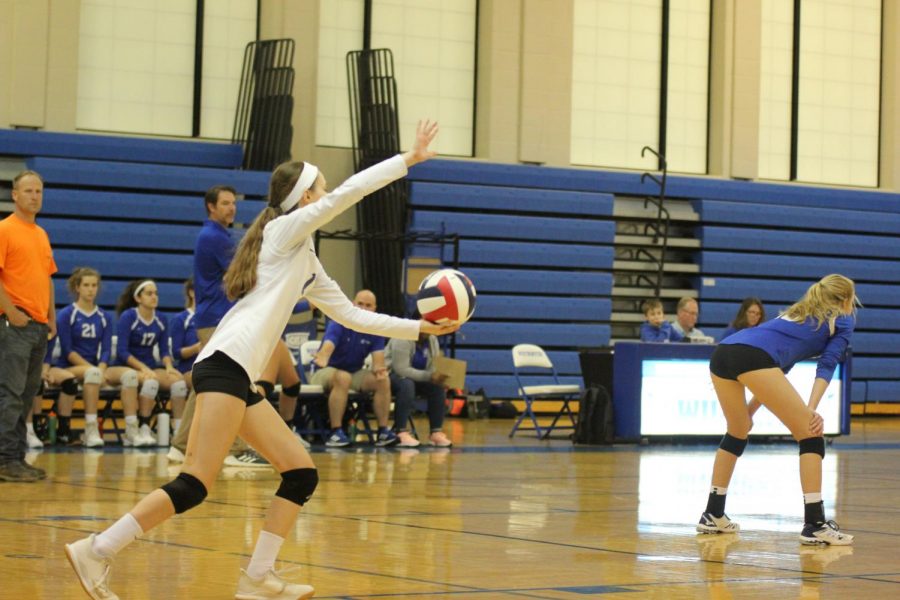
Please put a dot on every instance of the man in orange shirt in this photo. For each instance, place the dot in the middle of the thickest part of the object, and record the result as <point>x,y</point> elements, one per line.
<point>27,320</point>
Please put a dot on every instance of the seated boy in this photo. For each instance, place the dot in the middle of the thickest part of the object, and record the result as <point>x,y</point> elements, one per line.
<point>656,328</point>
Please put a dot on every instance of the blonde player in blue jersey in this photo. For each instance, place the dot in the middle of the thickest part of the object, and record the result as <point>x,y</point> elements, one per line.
<point>757,358</point>
<point>275,265</point>
<point>142,344</point>
<point>85,342</point>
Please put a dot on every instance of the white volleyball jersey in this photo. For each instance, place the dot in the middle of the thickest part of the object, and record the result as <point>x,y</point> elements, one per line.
<point>289,270</point>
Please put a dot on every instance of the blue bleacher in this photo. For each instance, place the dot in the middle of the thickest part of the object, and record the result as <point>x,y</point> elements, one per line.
<point>858,392</point>
<point>786,291</point>
<point>563,335</point>
<point>20,142</point>
<point>148,236</point>
<point>522,200</point>
<point>875,319</point>
<point>127,265</point>
<point>535,281</point>
<point>102,174</point>
<point>475,225</point>
<point>797,217</point>
<point>713,263</point>
<point>797,242</point>
<point>542,308</point>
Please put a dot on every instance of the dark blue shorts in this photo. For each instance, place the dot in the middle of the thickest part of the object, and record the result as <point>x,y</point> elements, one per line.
<point>220,374</point>
<point>731,360</point>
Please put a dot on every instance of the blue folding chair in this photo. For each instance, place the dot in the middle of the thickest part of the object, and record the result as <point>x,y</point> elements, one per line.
<point>531,359</point>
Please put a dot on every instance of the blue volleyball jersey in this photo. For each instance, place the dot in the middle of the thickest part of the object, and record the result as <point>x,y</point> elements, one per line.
<point>350,347</point>
<point>183,333</point>
<point>788,342</point>
<point>139,338</point>
<point>88,334</point>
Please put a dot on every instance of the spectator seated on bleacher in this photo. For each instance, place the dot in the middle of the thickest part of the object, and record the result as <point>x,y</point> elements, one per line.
<point>85,343</point>
<point>142,336</point>
<point>340,360</point>
<point>750,314</point>
<point>412,374</point>
<point>685,324</point>
<point>656,328</point>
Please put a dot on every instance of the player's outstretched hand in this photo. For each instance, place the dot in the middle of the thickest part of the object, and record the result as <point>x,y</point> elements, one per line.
<point>435,329</point>
<point>425,134</point>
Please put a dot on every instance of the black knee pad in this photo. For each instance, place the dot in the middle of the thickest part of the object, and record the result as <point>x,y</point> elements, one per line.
<point>733,445</point>
<point>266,388</point>
<point>813,445</point>
<point>292,390</point>
<point>186,492</point>
<point>297,485</point>
<point>69,386</point>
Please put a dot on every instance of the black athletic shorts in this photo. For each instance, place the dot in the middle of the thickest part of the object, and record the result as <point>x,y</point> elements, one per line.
<point>219,373</point>
<point>730,360</point>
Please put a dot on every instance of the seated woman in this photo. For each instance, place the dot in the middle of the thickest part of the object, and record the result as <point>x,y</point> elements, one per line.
<point>85,342</point>
<point>141,336</point>
<point>185,342</point>
<point>750,314</point>
<point>412,373</point>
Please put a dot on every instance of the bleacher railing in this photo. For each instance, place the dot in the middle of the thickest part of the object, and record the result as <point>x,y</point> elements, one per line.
<point>657,229</point>
<point>262,122</point>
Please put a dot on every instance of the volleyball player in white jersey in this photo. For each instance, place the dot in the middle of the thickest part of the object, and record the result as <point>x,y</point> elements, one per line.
<point>275,265</point>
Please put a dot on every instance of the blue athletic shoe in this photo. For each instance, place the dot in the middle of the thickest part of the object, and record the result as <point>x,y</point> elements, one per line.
<point>337,439</point>
<point>386,437</point>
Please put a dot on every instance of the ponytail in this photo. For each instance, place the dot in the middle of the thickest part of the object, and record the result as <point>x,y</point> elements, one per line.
<point>240,278</point>
<point>824,301</point>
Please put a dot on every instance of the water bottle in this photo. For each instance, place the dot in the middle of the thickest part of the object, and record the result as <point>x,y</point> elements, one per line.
<point>162,429</point>
<point>51,427</point>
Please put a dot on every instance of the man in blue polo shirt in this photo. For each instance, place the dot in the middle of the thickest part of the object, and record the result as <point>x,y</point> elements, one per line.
<point>340,360</point>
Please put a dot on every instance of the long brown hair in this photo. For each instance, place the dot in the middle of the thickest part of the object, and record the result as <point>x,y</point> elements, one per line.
<point>740,320</point>
<point>77,275</point>
<point>240,277</point>
<point>824,301</point>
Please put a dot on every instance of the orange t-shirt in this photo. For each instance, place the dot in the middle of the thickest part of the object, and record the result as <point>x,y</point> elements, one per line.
<point>26,264</point>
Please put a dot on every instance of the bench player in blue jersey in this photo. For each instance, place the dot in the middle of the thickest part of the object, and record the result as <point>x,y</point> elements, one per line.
<point>185,343</point>
<point>142,344</point>
<point>84,331</point>
<point>757,358</point>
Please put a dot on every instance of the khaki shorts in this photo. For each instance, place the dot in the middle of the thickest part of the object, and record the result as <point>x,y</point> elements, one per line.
<point>324,376</point>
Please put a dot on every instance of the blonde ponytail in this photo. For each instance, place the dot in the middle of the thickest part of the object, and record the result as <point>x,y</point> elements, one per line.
<point>825,301</point>
<point>240,278</point>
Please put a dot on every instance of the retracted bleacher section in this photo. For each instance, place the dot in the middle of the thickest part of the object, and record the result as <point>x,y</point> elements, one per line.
<point>129,207</point>
<point>757,239</point>
<point>539,251</point>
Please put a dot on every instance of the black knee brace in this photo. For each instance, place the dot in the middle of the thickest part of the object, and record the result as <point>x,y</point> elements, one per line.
<point>292,390</point>
<point>186,492</point>
<point>813,445</point>
<point>733,445</point>
<point>266,388</point>
<point>69,386</point>
<point>297,485</point>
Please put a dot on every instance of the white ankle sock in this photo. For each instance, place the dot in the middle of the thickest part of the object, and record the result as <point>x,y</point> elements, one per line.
<point>30,427</point>
<point>176,423</point>
<point>119,535</point>
<point>263,559</point>
<point>719,491</point>
<point>88,418</point>
<point>131,419</point>
<point>812,498</point>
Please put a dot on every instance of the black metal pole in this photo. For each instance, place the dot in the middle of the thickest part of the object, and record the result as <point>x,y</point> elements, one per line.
<point>198,69</point>
<point>367,25</point>
<point>663,81</point>
<point>795,90</point>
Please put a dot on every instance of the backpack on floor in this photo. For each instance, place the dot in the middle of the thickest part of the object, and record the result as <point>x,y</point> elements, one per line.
<point>596,424</point>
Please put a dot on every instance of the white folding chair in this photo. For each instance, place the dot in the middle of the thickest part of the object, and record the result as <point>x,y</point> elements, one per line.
<point>531,359</point>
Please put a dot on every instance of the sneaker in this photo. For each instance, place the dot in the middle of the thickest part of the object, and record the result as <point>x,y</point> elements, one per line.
<point>306,444</point>
<point>271,586</point>
<point>92,437</point>
<point>439,440</point>
<point>41,474</point>
<point>386,438</point>
<point>131,434</point>
<point>337,439</point>
<point>824,533</point>
<point>91,568</point>
<point>175,455</point>
<point>33,440</point>
<point>710,524</point>
<point>406,440</point>
<point>63,439</point>
<point>248,459</point>
<point>144,438</point>
<point>15,471</point>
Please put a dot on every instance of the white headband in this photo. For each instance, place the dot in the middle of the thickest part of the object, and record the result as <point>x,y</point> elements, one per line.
<point>137,290</point>
<point>304,182</point>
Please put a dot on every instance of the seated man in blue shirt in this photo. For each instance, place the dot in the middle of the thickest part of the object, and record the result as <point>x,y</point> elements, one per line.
<point>340,360</point>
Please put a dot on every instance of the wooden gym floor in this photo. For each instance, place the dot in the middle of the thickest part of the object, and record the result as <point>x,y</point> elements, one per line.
<point>491,518</point>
